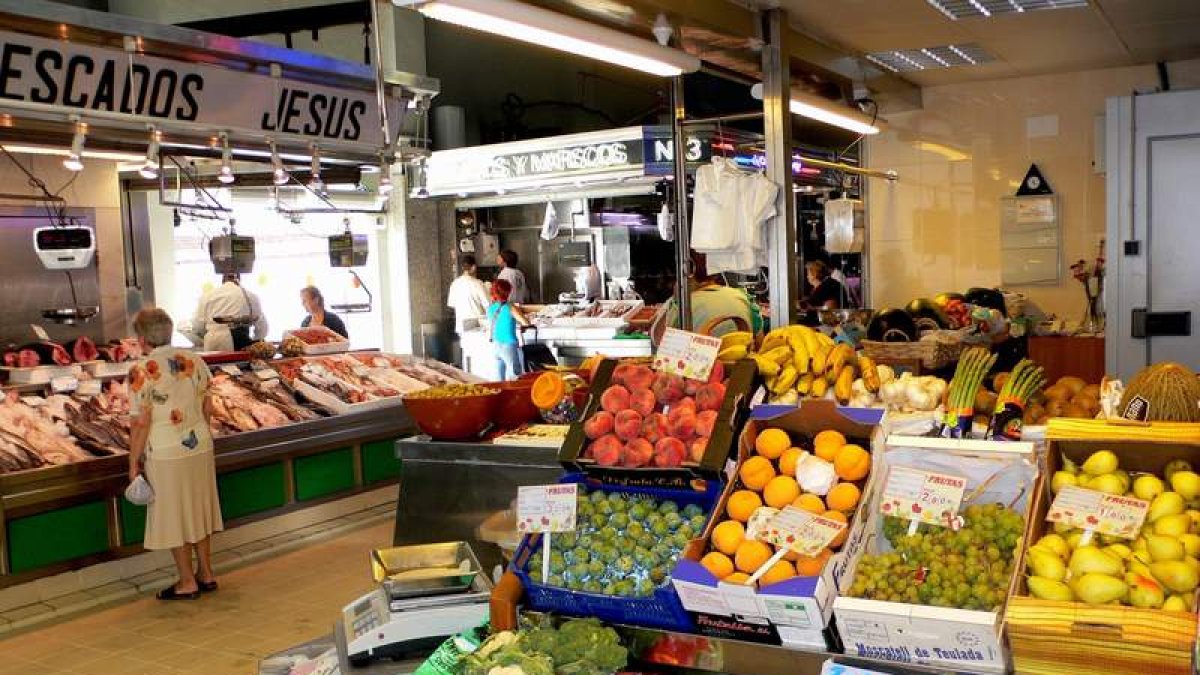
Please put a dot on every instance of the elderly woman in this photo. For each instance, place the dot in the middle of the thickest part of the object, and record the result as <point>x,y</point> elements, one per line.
<point>172,444</point>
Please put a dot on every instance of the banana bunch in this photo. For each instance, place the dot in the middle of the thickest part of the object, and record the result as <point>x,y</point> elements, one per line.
<point>735,346</point>
<point>798,361</point>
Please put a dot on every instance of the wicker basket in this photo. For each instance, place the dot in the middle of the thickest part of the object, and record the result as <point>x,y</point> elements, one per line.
<point>933,354</point>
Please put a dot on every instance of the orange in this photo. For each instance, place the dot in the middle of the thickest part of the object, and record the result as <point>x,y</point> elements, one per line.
<point>811,566</point>
<point>751,555</point>
<point>772,442</point>
<point>756,472</point>
<point>852,463</point>
<point>810,502</point>
<point>718,563</point>
<point>727,536</point>
<point>737,578</point>
<point>781,491</point>
<point>841,538</point>
<point>843,497</point>
<point>742,504</point>
<point>778,572</point>
<point>788,461</point>
<point>827,443</point>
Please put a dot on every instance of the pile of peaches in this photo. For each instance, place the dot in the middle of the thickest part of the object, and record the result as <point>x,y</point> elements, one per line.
<point>656,419</point>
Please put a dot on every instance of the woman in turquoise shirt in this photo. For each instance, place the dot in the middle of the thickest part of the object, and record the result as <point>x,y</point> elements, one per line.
<point>503,319</point>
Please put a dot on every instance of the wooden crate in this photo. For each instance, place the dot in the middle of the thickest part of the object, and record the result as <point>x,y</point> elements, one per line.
<point>1057,638</point>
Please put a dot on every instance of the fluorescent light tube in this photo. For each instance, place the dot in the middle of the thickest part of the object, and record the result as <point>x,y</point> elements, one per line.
<point>822,110</point>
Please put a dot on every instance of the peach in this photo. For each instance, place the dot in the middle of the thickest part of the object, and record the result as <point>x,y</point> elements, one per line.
<point>655,427</point>
<point>667,388</point>
<point>638,452</point>
<point>642,400</point>
<point>681,422</point>
<point>598,425</point>
<point>686,402</point>
<point>628,425</point>
<point>621,372</point>
<point>615,399</point>
<point>718,372</point>
<point>639,377</point>
<point>669,452</point>
<point>690,387</point>
<point>705,422</point>
<point>710,396</point>
<point>607,450</point>
<point>697,448</point>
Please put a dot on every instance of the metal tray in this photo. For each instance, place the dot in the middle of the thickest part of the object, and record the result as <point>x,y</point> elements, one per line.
<point>451,566</point>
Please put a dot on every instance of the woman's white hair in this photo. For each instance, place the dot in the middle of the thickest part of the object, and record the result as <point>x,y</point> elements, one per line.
<point>155,326</point>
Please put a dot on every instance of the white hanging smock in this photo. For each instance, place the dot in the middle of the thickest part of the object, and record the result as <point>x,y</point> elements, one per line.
<point>731,207</point>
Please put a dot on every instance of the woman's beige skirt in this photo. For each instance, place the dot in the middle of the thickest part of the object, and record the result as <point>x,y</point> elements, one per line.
<point>185,508</point>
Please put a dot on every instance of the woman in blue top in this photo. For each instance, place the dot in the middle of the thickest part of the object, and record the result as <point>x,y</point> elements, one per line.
<point>503,318</point>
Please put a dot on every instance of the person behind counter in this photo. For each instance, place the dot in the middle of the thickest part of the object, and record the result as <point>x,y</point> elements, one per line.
<point>171,442</point>
<point>507,260</point>
<point>314,304</point>
<point>827,292</point>
<point>225,317</point>
<point>710,299</point>
<point>468,296</point>
<point>503,317</point>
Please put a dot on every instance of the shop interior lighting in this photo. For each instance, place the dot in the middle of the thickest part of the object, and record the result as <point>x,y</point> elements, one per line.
<point>225,175</point>
<point>822,110</point>
<point>74,160</point>
<point>315,183</point>
<point>149,168</point>
<point>983,9</point>
<point>931,58</point>
<point>950,153</point>
<point>280,173</point>
<point>544,28</point>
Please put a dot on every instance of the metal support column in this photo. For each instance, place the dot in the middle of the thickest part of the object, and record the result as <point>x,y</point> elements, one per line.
<point>683,233</point>
<point>777,125</point>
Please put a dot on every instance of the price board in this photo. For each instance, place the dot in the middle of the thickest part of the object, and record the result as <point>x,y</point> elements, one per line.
<point>923,496</point>
<point>801,531</point>
<point>1085,509</point>
<point>546,508</point>
<point>687,354</point>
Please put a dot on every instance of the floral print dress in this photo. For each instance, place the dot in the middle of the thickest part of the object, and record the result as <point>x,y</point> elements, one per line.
<point>170,384</point>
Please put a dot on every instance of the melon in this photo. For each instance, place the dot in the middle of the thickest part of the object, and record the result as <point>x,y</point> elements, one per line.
<point>1170,390</point>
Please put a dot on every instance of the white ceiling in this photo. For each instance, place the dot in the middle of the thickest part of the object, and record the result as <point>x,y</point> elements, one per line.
<point>1107,33</point>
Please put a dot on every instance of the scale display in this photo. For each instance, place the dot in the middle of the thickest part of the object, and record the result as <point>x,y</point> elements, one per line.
<point>64,248</point>
<point>348,250</point>
<point>231,254</point>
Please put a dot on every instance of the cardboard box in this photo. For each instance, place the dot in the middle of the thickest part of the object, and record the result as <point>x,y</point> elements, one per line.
<point>1070,637</point>
<point>740,378</point>
<point>962,639</point>
<point>792,613</point>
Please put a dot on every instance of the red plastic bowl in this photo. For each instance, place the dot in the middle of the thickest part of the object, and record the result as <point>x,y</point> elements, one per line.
<point>515,407</point>
<point>453,419</point>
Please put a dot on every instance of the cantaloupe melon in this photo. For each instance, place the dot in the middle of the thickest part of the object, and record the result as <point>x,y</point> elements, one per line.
<point>1170,390</point>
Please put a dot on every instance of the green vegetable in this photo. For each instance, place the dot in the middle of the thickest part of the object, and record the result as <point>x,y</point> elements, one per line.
<point>577,647</point>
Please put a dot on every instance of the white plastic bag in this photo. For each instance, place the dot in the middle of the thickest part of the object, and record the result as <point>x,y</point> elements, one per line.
<point>139,491</point>
<point>550,223</point>
<point>666,224</point>
<point>839,225</point>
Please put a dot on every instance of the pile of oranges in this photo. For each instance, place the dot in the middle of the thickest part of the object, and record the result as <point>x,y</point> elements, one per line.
<point>767,482</point>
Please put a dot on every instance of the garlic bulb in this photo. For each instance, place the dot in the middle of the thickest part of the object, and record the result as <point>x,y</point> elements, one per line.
<point>815,475</point>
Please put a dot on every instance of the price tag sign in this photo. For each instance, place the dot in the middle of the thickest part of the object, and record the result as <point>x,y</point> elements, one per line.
<point>64,385</point>
<point>923,497</point>
<point>231,370</point>
<point>40,332</point>
<point>687,354</point>
<point>1113,515</point>
<point>800,531</point>
<point>89,387</point>
<point>546,508</point>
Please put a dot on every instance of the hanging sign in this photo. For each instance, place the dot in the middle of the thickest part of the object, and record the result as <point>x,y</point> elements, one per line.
<point>69,77</point>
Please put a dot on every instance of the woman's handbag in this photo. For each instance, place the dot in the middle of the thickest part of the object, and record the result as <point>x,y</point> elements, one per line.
<point>140,492</point>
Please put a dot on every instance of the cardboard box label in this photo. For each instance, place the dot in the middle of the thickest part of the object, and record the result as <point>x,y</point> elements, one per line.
<point>969,647</point>
<point>923,496</point>
<point>801,531</point>
<point>701,598</point>
<point>687,354</point>
<point>1113,515</point>
<point>546,508</point>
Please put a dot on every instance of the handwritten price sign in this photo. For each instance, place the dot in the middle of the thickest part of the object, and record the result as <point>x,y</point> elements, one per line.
<point>687,354</point>
<point>922,496</point>
<point>800,531</point>
<point>1113,515</point>
<point>546,508</point>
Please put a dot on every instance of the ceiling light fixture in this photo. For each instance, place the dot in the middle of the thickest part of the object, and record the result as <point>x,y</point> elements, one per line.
<point>315,183</point>
<point>822,110</point>
<point>983,9</point>
<point>149,169</point>
<point>74,160</point>
<point>280,174</point>
<point>225,175</point>
<point>545,28</point>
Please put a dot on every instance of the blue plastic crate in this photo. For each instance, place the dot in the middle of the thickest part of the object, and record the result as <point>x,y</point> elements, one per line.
<point>661,610</point>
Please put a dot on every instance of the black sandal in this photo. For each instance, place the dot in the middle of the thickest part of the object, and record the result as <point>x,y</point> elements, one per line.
<point>207,586</point>
<point>169,593</point>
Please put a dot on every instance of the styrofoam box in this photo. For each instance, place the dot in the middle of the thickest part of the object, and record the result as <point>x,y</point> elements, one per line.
<point>337,405</point>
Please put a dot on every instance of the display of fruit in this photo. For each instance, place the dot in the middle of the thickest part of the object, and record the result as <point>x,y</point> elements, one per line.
<point>1170,390</point>
<point>649,418</point>
<point>797,361</point>
<point>908,393</point>
<point>969,568</point>
<point>624,545</point>
<point>822,478</point>
<point>453,391</point>
<point>1068,397</point>
<point>1161,563</point>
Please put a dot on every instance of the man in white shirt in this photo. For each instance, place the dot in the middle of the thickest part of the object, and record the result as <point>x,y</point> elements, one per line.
<point>228,318</point>
<point>508,271</point>
<point>468,297</point>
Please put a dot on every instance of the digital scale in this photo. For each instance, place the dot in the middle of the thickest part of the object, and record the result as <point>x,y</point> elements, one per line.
<point>64,248</point>
<point>231,254</point>
<point>348,250</point>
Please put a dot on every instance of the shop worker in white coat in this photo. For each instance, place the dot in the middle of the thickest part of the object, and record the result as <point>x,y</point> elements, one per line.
<point>228,318</point>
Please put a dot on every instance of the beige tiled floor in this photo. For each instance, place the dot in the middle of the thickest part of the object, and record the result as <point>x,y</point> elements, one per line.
<point>260,609</point>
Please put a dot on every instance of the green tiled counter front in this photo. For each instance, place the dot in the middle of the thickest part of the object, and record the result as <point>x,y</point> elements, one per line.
<point>323,474</point>
<point>59,535</point>
<point>379,461</point>
<point>133,521</point>
<point>251,490</point>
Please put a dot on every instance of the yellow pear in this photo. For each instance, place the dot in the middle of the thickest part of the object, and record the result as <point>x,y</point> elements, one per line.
<point>1119,550</point>
<point>1175,575</point>
<point>1049,589</point>
<point>1173,526</point>
<point>1089,559</point>
<point>1143,556</point>
<point>1069,465</point>
<point>1166,504</point>
<point>1147,487</point>
<point>1176,465</point>
<point>1144,592</point>
<point>1192,563</point>
<point>1102,462</point>
<point>1139,544</point>
<point>1175,603</point>
<point>1191,543</point>
<point>1097,589</point>
<point>1073,540</point>
<point>1162,547</point>
<point>1194,514</point>
<point>1186,483</point>
<point>1125,480</point>
<point>1109,484</point>
<point>1055,543</point>
<point>1045,563</point>
<point>1061,480</point>
<point>1063,528</point>
<point>1139,567</point>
